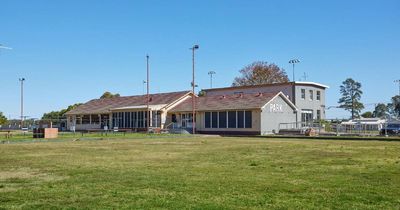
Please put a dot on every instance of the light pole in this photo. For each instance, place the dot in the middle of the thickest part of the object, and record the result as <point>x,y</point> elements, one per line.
<point>22,101</point>
<point>398,81</point>
<point>294,61</point>
<point>147,97</point>
<point>194,48</point>
<point>211,77</point>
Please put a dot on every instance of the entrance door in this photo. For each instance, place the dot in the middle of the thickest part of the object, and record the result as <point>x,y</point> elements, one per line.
<point>186,120</point>
<point>306,116</point>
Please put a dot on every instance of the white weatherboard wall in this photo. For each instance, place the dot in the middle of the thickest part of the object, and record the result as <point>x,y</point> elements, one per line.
<point>275,112</point>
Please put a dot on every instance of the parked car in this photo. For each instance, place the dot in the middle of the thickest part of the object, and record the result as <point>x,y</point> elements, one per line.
<point>391,129</point>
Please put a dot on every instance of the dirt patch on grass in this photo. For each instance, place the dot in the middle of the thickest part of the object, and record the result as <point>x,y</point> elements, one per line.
<point>14,179</point>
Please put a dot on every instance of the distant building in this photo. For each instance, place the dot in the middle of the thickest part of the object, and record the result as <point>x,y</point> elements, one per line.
<point>369,124</point>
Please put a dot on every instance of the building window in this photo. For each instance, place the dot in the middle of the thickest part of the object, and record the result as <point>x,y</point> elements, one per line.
<point>86,119</point>
<point>135,122</point>
<point>222,119</point>
<point>140,120</point>
<point>248,119</point>
<point>318,114</point>
<point>78,120</point>
<point>240,119</point>
<point>311,95</point>
<point>318,95</point>
<point>95,119</point>
<point>207,120</point>
<point>214,117</point>
<point>231,119</point>
<point>303,93</point>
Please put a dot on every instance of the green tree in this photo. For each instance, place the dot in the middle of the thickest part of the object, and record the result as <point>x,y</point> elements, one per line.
<point>380,110</point>
<point>394,106</point>
<point>56,115</point>
<point>351,96</point>
<point>109,95</point>
<point>367,115</point>
<point>3,119</point>
<point>259,73</point>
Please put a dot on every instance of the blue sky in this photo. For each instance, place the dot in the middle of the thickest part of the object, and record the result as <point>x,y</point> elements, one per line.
<point>72,51</point>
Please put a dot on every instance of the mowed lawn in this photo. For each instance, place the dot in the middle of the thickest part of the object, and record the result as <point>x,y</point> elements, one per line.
<point>201,173</point>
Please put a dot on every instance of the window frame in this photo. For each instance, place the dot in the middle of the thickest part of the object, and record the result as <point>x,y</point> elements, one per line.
<point>303,94</point>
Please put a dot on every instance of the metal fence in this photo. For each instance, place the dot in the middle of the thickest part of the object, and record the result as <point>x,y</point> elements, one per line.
<point>331,128</point>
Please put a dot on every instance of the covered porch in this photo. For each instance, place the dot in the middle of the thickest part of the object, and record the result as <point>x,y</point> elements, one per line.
<point>138,118</point>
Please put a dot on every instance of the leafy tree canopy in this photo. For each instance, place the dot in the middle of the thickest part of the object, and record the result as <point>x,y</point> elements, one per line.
<point>351,96</point>
<point>394,106</point>
<point>367,115</point>
<point>55,115</point>
<point>109,95</point>
<point>3,119</point>
<point>381,110</point>
<point>259,73</point>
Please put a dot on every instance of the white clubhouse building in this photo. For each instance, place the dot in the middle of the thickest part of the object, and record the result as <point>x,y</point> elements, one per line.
<point>253,110</point>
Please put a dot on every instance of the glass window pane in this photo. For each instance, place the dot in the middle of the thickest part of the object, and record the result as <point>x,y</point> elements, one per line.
<point>207,119</point>
<point>222,119</point>
<point>240,116</point>
<point>214,118</point>
<point>232,119</point>
<point>248,119</point>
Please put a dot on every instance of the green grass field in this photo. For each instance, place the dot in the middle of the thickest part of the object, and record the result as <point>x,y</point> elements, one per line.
<point>200,173</point>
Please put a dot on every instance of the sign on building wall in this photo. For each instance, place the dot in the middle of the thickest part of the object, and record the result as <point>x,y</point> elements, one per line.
<point>275,108</point>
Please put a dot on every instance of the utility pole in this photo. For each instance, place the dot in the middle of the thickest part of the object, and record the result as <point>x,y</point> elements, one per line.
<point>195,47</point>
<point>22,101</point>
<point>211,77</point>
<point>294,61</point>
<point>148,97</point>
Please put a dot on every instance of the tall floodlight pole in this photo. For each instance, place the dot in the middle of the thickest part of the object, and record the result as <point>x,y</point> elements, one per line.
<point>22,101</point>
<point>148,97</point>
<point>194,48</point>
<point>211,77</point>
<point>293,62</point>
<point>398,82</point>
